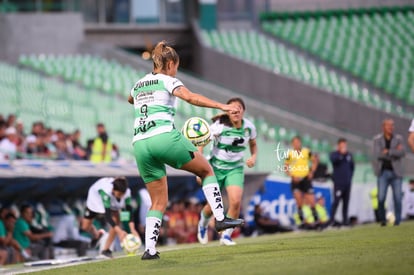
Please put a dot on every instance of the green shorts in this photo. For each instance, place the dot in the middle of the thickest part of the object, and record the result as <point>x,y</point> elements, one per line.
<point>230,177</point>
<point>151,154</point>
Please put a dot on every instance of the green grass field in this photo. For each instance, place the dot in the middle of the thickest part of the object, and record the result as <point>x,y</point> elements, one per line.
<point>368,249</point>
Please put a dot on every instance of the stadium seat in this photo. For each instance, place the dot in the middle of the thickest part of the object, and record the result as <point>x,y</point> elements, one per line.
<point>375,45</point>
<point>258,49</point>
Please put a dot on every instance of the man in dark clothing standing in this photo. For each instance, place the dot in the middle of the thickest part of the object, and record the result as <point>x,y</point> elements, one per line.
<point>343,170</point>
<point>389,152</point>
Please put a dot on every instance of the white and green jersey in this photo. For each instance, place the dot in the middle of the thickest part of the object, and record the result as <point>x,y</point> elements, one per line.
<point>154,105</point>
<point>230,144</point>
<point>100,197</point>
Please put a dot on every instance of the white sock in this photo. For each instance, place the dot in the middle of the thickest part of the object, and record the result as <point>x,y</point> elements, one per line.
<point>203,219</point>
<point>213,195</point>
<point>228,232</point>
<point>152,230</point>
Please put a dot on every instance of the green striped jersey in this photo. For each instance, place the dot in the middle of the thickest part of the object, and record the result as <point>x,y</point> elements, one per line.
<point>230,143</point>
<point>154,105</point>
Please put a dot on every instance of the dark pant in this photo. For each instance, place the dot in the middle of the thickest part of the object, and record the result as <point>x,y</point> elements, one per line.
<point>80,246</point>
<point>387,178</point>
<point>341,193</point>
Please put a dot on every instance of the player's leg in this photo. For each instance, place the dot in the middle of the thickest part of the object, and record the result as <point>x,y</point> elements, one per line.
<point>309,197</point>
<point>396,185</point>
<point>298,196</point>
<point>382,195</point>
<point>152,170</point>
<point>234,183</point>
<point>183,155</point>
<point>87,226</point>
<point>206,213</point>
<point>200,167</point>
<point>202,231</point>
<point>111,235</point>
<point>345,204</point>
<point>337,197</point>
<point>158,191</point>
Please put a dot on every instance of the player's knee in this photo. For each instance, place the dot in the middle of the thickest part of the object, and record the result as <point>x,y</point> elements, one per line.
<point>205,172</point>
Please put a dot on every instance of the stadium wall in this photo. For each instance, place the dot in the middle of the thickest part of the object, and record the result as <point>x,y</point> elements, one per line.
<point>37,33</point>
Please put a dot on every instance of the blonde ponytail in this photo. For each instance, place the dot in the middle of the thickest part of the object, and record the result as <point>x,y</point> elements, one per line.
<point>162,54</point>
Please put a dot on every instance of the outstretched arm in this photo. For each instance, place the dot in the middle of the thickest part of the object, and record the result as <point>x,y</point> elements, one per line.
<point>200,100</point>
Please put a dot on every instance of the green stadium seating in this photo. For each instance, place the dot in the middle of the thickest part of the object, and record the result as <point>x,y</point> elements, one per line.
<point>375,45</point>
<point>257,48</point>
<point>89,105</point>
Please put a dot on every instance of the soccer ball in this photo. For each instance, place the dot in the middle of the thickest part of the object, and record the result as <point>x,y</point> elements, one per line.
<point>390,218</point>
<point>197,131</point>
<point>131,244</point>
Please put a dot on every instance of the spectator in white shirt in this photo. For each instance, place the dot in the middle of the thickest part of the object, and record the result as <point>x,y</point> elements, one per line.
<point>8,146</point>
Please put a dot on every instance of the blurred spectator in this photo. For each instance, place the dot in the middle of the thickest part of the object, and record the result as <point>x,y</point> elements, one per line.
<point>323,215</point>
<point>66,227</point>
<point>388,154</point>
<point>20,128</point>
<point>89,144</point>
<point>101,149</point>
<point>265,224</point>
<point>115,152</point>
<point>343,171</point>
<point>411,136</point>
<point>11,120</point>
<point>38,245</point>
<point>43,149</point>
<point>79,152</point>
<point>3,127</point>
<point>191,218</point>
<point>409,200</point>
<point>8,148</point>
<point>176,223</point>
<point>62,151</point>
<point>373,194</point>
<point>15,251</point>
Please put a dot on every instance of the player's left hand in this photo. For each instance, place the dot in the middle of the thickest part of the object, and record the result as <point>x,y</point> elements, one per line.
<point>250,162</point>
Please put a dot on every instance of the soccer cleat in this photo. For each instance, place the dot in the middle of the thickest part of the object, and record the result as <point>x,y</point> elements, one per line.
<point>228,223</point>
<point>202,235</point>
<point>148,256</point>
<point>226,240</point>
<point>107,254</point>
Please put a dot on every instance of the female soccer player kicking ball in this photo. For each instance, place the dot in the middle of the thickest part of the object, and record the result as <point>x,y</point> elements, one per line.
<point>156,142</point>
<point>232,134</point>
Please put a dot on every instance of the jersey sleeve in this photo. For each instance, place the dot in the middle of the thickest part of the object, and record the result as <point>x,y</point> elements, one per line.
<point>215,129</point>
<point>253,132</point>
<point>411,129</point>
<point>106,199</point>
<point>172,83</point>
